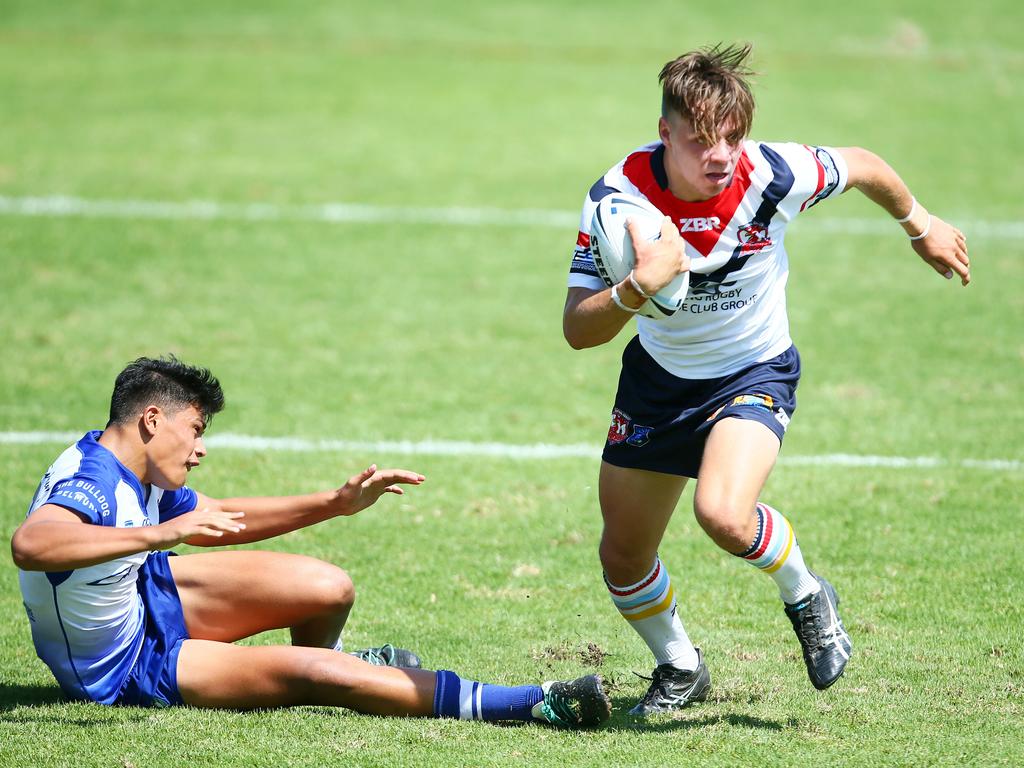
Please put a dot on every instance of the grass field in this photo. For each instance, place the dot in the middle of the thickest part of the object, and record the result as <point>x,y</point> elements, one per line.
<point>412,327</point>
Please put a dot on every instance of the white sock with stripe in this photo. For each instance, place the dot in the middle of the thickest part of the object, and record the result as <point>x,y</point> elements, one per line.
<point>650,608</point>
<point>776,552</point>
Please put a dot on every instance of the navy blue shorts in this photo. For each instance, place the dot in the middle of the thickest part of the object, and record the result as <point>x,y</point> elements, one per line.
<point>153,681</point>
<point>661,422</point>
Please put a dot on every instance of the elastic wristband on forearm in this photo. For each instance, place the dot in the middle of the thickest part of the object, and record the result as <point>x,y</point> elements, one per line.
<point>913,210</point>
<point>619,303</point>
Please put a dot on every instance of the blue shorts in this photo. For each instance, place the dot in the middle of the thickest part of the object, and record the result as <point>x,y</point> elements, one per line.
<point>660,422</point>
<point>153,681</point>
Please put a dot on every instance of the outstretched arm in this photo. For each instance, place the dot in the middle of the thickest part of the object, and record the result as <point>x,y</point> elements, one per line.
<point>269,516</point>
<point>942,246</point>
<point>53,538</point>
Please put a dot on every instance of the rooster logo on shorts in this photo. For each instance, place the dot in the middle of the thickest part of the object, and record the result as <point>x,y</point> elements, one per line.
<point>619,429</point>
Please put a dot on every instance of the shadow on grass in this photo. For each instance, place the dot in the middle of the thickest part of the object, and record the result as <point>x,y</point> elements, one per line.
<point>687,719</point>
<point>34,704</point>
<point>13,696</point>
<point>46,704</point>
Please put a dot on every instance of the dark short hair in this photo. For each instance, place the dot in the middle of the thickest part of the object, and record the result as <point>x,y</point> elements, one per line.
<point>709,88</point>
<point>165,382</point>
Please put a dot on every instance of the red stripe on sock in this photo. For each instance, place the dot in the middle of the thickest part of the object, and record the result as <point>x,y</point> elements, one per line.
<point>766,536</point>
<point>633,590</point>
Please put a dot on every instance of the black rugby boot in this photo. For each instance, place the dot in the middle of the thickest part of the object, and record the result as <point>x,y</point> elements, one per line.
<point>824,641</point>
<point>673,689</point>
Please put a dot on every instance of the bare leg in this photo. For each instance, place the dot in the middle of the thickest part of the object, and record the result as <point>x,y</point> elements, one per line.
<point>737,460</point>
<point>738,456</point>
<point>230,595</point>
<point>636,506</point>
<point>222,675</point>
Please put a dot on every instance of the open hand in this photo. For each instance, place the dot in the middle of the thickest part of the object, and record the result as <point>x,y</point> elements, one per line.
<point>945,250</point>
<point>362,490</point>
<point>206,521</point>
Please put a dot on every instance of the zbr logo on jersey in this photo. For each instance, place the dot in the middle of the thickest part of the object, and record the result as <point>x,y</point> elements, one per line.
<point>700,224</point>
<point>753,237</point>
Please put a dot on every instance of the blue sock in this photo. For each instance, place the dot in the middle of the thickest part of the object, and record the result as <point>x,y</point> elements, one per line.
<point>469,700</point>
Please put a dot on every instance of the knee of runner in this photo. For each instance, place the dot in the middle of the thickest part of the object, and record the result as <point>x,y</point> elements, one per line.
<point>619,562</point>
<point>727,523</point>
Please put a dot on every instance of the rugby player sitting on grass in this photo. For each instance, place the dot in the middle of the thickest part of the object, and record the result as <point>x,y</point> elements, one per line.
<point>118,621</point>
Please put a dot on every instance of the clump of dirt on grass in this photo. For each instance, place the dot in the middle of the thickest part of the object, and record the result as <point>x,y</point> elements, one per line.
<point>589,654</point>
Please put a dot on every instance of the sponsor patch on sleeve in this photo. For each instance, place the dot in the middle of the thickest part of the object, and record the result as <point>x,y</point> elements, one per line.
<point>82,495</point>
<point>830,180</point>
<point>582,258</point>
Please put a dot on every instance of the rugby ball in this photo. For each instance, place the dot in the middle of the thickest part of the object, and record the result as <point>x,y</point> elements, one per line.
<point>613,252</point>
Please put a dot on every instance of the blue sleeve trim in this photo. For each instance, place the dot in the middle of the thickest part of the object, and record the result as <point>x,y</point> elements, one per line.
<point>174,503</point>
<point>86,496</point>
<point>601,188</point>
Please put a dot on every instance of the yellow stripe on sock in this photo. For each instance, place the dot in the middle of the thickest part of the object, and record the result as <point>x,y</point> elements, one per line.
<point>655,609</point>
<point>785,553</point>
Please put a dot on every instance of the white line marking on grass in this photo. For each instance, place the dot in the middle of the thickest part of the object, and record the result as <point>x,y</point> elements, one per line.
<point>209,210</point>
<point>59,206</point>
<point>514,451</point>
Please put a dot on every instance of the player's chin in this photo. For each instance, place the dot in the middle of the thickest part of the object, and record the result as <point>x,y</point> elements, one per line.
<point>174,482</point>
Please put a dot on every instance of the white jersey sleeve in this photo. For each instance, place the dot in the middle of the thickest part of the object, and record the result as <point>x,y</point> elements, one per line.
<point>817,174</point>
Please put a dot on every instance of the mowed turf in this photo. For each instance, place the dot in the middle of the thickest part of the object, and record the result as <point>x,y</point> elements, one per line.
<point>396,330</point>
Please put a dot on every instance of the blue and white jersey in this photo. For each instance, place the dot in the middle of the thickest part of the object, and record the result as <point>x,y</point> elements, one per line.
<point>735,312</point>
<point>87,624</point>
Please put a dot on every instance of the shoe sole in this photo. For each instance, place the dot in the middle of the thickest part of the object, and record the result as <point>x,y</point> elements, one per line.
<point>595,706</point>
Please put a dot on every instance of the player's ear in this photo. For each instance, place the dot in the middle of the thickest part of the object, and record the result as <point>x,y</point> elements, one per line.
<point>664,130</point>
<point>150,420</point>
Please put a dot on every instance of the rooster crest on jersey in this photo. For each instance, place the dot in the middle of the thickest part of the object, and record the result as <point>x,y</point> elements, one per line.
<point>613,252</point>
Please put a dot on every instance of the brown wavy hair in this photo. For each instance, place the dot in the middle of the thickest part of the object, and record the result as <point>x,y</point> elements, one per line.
<point>709,87</point>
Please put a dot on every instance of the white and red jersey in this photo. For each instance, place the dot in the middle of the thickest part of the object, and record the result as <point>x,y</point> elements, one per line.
<point>735,311</point>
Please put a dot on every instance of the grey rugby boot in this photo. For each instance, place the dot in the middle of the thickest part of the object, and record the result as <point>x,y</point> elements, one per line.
<point>388,655</point>
<point>823,638</point>
<point>673,689</point>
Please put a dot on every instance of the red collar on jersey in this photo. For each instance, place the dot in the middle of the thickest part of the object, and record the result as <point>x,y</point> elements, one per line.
<point>647,172</point>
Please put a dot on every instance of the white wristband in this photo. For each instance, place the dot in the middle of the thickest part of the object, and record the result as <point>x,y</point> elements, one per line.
<point>913,210</point>
<point>636,286</point>
<point>618,301</point>
<point>927,229</point>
